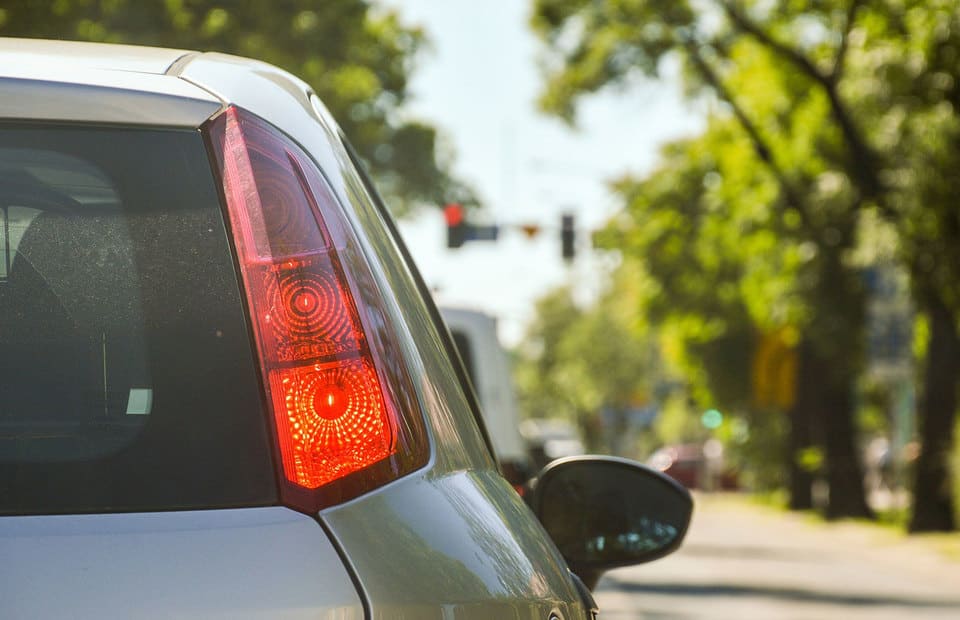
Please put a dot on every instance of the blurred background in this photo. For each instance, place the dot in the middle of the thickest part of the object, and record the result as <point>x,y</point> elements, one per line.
<point>718,236</point>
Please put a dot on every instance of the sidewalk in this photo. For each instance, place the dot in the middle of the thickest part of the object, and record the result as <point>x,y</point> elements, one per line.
<point>746,561</point>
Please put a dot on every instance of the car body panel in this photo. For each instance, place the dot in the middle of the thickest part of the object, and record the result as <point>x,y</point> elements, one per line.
<point>101,96</point>
<point>241,563</point>
<point>98,83</point>
<point>80,85</point>
<point>458,546</point>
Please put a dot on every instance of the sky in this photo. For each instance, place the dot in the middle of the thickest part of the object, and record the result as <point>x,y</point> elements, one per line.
<point>478,83</point>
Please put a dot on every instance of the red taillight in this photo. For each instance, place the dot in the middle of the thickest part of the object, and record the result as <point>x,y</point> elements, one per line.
<point>339,428</point>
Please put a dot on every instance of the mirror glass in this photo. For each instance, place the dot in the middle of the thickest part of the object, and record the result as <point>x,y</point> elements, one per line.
<point>604,512</point>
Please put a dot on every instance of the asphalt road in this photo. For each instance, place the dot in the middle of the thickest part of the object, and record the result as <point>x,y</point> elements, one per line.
<point>741,561</point>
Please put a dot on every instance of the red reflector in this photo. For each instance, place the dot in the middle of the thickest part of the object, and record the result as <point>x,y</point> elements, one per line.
<point>306,309</point>
<point>331,421</point>
<point>339,431</point>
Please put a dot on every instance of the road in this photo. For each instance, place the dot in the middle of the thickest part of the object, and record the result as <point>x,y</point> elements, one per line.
<point>742,561</point>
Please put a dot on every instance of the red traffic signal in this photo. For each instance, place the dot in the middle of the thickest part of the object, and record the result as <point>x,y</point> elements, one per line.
<point>453,213</point>
<point>456,224</point>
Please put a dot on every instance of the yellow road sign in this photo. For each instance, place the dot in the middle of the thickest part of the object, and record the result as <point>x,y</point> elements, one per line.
<point>775,369</point>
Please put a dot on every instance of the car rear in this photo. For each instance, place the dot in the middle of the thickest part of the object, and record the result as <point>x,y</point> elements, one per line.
<point>224,393</point>
<point>136,467</point>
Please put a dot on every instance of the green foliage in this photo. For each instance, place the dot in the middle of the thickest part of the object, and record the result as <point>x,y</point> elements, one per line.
<point>597,43</point>
<point>905,77</point>
<point>833,117</point>
<point>356,58</point>
<point>702,230</point>
<point>811,459</point>
<point>760,455</point>
<point>574,363</point>
<point>677,423</point>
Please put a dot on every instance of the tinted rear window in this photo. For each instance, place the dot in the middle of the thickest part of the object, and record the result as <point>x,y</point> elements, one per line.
<point>126,375</point>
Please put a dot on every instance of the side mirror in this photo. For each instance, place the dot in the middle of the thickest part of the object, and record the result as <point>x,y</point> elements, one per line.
<point>605,512</point>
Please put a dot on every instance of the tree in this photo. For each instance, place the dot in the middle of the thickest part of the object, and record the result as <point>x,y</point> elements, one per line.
<point>776,122</point>
<point>575,362</point>
<point>356,58</point>
<point>725,271</point>
<point>835,55</point>
<point>905,80</point>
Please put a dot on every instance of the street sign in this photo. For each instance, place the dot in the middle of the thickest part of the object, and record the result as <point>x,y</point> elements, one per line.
<point>775,369</point>
<point>889,323</point>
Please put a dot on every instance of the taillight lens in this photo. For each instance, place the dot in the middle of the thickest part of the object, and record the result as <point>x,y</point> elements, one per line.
<point>344,415</point>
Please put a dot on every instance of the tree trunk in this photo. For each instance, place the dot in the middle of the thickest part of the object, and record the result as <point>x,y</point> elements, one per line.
<point>801,435</point>
<point>844,470</point>
<point>933,491</point>
<point>837,360</point>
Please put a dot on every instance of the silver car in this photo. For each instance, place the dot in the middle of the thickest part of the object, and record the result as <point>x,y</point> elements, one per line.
<point>224,389</point>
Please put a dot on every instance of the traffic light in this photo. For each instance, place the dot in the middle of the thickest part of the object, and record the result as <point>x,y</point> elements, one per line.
<point>567,237</point>
<point>459,231</point>
<point>530,230</point>
<point>456,225</point>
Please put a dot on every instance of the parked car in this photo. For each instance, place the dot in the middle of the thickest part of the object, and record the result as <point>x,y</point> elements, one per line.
<point>548,439</point>
<point>224,389</point>
<point>696,466</point>
<point>488,368</point>
<point>682,462</point>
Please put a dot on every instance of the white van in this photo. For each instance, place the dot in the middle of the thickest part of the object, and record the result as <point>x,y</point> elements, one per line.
<point>475,336</point>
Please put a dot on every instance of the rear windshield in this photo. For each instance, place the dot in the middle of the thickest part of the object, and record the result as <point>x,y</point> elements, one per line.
<point>126,376</point>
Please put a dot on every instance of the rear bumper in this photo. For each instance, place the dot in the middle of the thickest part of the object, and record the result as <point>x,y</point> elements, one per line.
<point>244,563</point>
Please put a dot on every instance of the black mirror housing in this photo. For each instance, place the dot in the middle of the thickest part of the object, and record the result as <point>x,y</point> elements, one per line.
<point>606,512</point>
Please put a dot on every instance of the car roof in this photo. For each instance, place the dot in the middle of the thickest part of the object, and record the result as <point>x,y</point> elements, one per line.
<point>105,82</point>
<point>16,53</point>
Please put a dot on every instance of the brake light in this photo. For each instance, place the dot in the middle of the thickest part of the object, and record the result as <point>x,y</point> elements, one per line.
<point>343,416</point>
